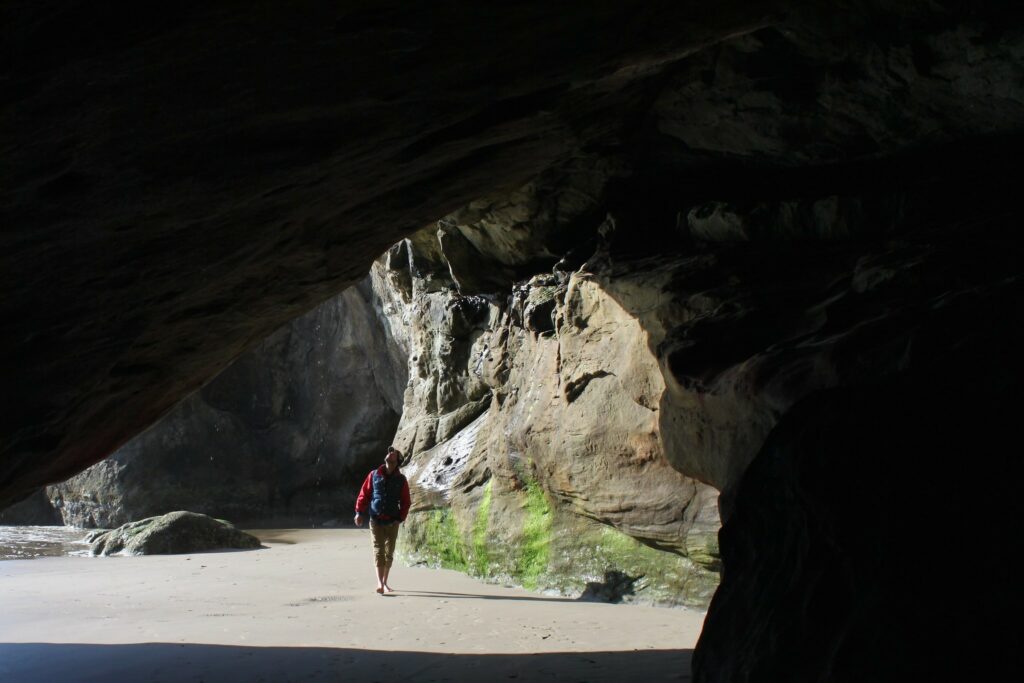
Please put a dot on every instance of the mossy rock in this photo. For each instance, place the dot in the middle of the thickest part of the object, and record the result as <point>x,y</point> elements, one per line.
<point>520,538</point>
<point>170,534</point>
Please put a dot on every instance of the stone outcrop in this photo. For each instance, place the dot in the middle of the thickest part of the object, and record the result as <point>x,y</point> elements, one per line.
<point>171,534</point>
<point>283,436</point>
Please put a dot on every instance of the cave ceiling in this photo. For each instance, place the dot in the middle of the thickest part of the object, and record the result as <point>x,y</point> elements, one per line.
<point>178,184</point>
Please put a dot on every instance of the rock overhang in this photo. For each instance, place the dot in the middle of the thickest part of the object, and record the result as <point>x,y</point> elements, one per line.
<point>178,189</point>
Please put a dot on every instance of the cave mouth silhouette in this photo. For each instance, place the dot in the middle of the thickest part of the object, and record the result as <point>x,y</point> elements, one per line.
<point>182,184</point>
<point>174,662</point>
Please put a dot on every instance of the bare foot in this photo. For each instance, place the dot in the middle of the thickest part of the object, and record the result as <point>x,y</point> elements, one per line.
<point>380,590</point>
<point>388,589</point>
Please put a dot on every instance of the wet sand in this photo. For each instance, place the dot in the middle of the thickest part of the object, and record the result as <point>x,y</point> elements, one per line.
<point>304,608</point>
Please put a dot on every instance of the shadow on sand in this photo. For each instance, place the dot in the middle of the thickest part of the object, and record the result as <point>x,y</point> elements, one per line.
<point>476,596</point>
<point>191,662</point>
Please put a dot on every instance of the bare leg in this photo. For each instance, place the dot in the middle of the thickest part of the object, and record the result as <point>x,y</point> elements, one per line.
<point>382,577</point>
<point>389,553</point>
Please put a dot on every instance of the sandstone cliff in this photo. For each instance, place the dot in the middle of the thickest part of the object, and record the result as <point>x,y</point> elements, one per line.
<point>538,457</point>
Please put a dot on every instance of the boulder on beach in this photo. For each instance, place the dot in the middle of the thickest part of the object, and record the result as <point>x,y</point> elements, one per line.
<point>173,533</point>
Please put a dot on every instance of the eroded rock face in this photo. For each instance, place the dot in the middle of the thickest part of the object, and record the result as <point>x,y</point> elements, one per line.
<point>533,422</point>
<point>172,534</point>
<point>284,435</point>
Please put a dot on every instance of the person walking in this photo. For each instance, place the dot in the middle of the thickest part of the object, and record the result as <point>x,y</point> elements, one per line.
<point>385,496</point>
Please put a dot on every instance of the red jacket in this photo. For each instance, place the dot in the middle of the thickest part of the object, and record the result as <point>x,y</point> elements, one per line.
<point>366,494</point>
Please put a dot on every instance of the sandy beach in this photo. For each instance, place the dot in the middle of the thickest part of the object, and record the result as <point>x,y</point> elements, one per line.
<point>303,608</point>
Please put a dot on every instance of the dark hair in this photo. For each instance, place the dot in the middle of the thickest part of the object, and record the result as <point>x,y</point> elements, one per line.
<point>392,449</point>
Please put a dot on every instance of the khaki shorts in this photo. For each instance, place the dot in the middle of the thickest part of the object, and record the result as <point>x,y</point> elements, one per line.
<point>384,538</point>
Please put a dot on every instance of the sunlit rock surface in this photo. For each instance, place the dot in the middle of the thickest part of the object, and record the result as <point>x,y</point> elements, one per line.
<point>520,471</point>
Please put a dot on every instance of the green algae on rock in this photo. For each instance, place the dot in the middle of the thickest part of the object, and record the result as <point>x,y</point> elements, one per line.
<point>480,525</point>
<point>527,542</point>
<point>535,549</point>
<point>445,541</point>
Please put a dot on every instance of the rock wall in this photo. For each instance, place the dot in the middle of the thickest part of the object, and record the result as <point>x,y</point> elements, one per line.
<point>532,409</point>
<point>629,382</point>
<point>820,546</point>
<point>284,435</point>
